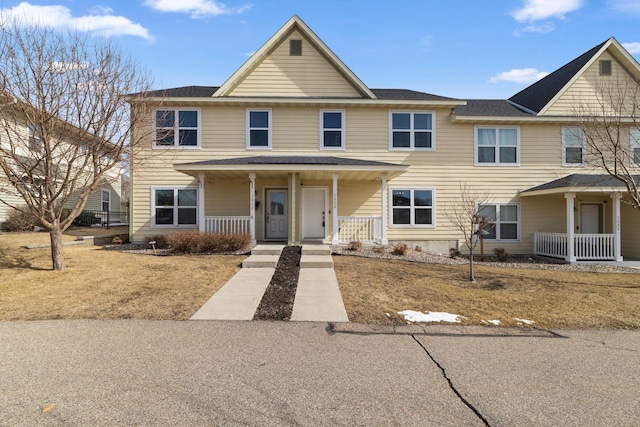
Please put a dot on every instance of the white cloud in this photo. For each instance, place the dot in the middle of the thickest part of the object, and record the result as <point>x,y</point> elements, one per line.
<point>197,8</point>
<point>101,22</point>
<point>632,6</point>
<point>633,47</point>
<point>537,10</point>
<point>547,27</point>
<point>520,76</point>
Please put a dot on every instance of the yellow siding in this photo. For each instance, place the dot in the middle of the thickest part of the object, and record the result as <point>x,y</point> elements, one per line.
<point>630,230</point>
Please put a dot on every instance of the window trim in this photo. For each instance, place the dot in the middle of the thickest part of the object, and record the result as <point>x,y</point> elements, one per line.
<point>476,146</point>
<point>564,149</point>
<point>248,128</point>
<point>177,128</point>
<point>102,201</point>
<point>175,207</point>
<point>342,129</point>
<point>412,146</point>
<point>498,222</point>
<point>412,208</point>
<point>634,143</point>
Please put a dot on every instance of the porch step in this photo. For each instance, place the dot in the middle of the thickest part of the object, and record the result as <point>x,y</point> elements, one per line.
<point>267,250</point>
<point>316,250</point>
<point>261,261</point>
<point>316,261</point>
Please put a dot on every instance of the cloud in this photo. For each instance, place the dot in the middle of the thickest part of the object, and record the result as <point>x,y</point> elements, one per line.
<point>197,8</point>
<point>520,76</point>
<point>633,47</point>
<point>547,27</point>
<point>626,6</point>
<point>101,22</point>
<point>538,10</point>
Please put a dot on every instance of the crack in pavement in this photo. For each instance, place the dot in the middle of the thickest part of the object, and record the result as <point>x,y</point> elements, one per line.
<point>451,386</point>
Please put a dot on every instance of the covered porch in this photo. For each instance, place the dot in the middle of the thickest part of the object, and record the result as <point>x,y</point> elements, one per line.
<point>294,198</point>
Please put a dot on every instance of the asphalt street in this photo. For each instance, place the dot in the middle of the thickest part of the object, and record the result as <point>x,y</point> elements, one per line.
<point>107,373</point>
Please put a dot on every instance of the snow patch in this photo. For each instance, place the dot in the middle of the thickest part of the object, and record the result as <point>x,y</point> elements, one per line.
<point>525,321</point>
<point>492,322</point>
<point>430,316</point>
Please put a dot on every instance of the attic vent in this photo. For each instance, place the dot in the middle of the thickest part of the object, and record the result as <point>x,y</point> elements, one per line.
<point>605,67</point>
<point>295,47</point>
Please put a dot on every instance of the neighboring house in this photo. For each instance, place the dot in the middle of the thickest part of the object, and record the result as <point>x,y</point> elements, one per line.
<point>293,146</point>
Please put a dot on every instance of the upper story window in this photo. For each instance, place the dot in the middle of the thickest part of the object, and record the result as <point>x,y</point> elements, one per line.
<point>634,153</point>
<point>35,137</point>
<point>332,131</point>
<point>412,207</point>
<point>178,127</point>
<point>259,129</point>
<point>411,131</point>
<point>573,147</point>
<point>502,221</point>
<point>497,146</point>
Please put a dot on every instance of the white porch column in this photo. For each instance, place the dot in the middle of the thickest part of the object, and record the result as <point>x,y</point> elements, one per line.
<point>252,207</point>
<point>383,226</point>
<point>201,224</point>
<point>334,209</point>
<point>616,225</point>
<point>571,256</point>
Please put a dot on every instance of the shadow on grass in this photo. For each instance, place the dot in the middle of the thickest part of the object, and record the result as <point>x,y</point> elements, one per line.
<point>11,259</point>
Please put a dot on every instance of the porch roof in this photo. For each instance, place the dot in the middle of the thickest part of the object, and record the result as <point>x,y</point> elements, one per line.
<point>578,183</point>
<point>310,167</point>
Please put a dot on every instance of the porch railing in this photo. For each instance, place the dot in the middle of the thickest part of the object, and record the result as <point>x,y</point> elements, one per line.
<point>586,246</point>
<point>227,224</point>
<point>107,219</point>
<point>366,229</point>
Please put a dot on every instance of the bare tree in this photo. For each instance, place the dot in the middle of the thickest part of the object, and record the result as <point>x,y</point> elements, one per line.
<point>465,214</point>
<point>64,125</point>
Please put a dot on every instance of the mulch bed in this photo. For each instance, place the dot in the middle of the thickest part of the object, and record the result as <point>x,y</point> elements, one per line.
<point>277,301</point>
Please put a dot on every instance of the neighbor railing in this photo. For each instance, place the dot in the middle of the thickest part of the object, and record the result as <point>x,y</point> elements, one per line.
<point>366,229</point>
<point>586,246</point>
<point>227,224</point>
<point>91,218</point>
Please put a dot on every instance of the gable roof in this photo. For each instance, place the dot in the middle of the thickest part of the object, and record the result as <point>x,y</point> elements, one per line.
<point>577,182</point>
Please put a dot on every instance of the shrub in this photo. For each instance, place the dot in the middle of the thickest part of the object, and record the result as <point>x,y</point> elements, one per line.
<point>86,219</point>
<point>501,254</point>
<point>17,220</point>
<point>454,253</point>
<point>355,246</point>
<point>400,249</point>
<point>162,241</point>
<point>418,249</point>
<point>194,242</point>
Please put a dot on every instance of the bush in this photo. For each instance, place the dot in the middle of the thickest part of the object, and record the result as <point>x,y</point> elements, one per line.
<point>418,249</point>
<point>501,254</point>
<point>454,253</point>
<point>17,220</point>
<point>355,246</point>
<point>162,241</point>
<point>194,242</point>
<point>86,219</point>
<point>400,249</point>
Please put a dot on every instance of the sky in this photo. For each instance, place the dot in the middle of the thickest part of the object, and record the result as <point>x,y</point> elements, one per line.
<point>468,49</point>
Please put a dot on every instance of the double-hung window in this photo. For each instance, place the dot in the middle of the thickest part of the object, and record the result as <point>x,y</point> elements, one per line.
<point>411,130</point>
<point>573,147</point>
<point>35,137</point>
<point>178,127</point>
<point>105,200</point>
<point>497,146</point>
<point>175,207</point>
<point>259,129</point>
<point>332,130</point>
<point>634,152</point>
<point>412,207</point>
<point>502,221</point>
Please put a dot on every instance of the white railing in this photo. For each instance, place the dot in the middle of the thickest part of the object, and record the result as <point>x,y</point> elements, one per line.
<point>586,246</point>
<point>366,229</point>
<point>227,224</point>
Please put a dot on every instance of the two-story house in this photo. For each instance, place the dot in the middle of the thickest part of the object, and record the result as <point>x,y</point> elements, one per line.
<point>294,146</point>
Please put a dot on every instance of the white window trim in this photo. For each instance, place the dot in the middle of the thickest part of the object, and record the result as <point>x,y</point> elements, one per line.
<point>433,208</point>
<point>633,143</point>
<point>248,129</point>
<point>497,147</point>
<point>175,207</point>
<point>497,222</point>
<point>102,193</point>
<point>564,151</point>
<point>412,131</point>
<point>175,145</point>
<point>342,130</point>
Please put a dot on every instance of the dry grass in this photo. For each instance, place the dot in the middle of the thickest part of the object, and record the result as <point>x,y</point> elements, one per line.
<point>552,299</point>
<point>101,284</point>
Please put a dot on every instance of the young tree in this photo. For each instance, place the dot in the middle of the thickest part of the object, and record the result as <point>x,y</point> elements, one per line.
<point>465,214</point>
<point>64,126</point>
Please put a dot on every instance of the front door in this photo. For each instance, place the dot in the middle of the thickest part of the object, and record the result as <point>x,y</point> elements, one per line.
<point>276,215</point>
<point>590,218</point>
<point>313,213</point>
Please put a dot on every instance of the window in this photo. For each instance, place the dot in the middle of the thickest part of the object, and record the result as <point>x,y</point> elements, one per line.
<point>83,148</point>
<point>105,200</point>
<point>498,146</point>
<point>635,147</point>
<point>332,130</point>
<point>605,67</point>
<point>411,131</point>
<point>259,129</point>
<point>177,128</point>
<point>502,221</point>
<point>412,207</point>
<point>295,47</point>
<point>35,137</point>
<point>175,207</point>
<point>573,147</point>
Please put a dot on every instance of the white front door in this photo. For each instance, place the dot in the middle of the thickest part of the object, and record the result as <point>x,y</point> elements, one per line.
<point>276,215</point>
<point>590,218</point>
<point>313,213</point>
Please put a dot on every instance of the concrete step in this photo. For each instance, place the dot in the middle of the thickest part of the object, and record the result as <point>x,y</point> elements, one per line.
<point>316,261</point>
<point>267,250</point>
<point>261,261</point>
<point>316,250</point>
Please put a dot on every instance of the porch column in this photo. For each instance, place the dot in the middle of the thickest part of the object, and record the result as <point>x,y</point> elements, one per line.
<point>252,207</point>
<point>616,226</point>
<point>383,226</point>
<point>571,256</point>
<point>201,224</point>
<point>334,209</point>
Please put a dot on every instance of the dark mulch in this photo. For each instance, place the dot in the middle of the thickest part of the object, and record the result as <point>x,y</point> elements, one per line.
<point>277,301</point>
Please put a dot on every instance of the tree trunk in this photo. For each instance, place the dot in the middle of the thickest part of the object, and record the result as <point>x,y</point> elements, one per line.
<point>471,277</point>
<point>57,256</point>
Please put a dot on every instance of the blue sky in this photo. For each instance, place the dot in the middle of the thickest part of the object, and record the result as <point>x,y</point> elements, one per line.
<point>457,48</point>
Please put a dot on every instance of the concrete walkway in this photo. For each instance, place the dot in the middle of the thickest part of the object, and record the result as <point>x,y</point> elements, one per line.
<point>318,297</point>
